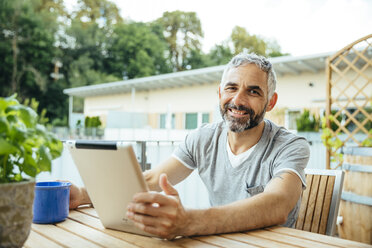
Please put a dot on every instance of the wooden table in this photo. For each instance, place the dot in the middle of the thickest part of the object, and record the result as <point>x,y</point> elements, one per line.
<point>84,229</point>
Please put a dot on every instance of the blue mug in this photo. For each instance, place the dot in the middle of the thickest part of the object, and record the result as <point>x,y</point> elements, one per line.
<point>51,203</point>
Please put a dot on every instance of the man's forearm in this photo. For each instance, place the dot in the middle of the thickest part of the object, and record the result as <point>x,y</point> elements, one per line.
<point>257,212</point>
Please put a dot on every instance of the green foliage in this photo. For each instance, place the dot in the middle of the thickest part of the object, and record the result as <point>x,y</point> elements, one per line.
<point>240,40</point>
<point>368,141</point>
<point>307,123</point>
<point>60,122</point>
<point>27,34</point>
<point>220,54</point>
<point>135,51</point>
<point>243,41</point>
<point>92,126</point>
<point>34,104</point>
<point>331,142</point>
<point>183,33</point>
<point>334,125</point>
<point>93,11</point>
<point>92,122</point>
<point>25,145</point>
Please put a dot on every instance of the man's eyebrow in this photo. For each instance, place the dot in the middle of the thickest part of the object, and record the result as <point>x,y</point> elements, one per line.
<point>249,87</point>
<point>230,84</point>
<point>254,87</point>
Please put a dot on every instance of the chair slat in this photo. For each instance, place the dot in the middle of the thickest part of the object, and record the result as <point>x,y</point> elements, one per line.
<point>326,205</point>
<point>311,203</point>
<point>304,201</point>
<point>319,203</point>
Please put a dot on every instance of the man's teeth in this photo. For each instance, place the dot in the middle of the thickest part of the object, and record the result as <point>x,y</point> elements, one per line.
<point>237,112</point>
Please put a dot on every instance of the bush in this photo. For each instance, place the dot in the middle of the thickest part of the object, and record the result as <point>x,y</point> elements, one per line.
<point>307,122</point>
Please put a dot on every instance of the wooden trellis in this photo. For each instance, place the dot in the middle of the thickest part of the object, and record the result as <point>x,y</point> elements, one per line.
<point>349,91</point>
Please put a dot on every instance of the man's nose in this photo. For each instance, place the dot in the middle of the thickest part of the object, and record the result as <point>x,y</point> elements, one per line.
<point>239,98</point>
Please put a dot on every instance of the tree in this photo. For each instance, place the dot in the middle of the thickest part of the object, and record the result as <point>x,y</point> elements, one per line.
<point>27,38</point>
<point>182,31</point>
<point>220,54</point>
<point>26,47</point>
<point>240,40</point>
<point>243,41</point>
<point>135,51</point>
<point>103,12</point>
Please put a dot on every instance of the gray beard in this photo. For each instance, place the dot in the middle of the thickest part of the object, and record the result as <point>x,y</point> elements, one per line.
<point>238,125</point>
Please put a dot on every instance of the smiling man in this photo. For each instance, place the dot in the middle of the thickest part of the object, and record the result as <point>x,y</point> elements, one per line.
<point>253,170</point>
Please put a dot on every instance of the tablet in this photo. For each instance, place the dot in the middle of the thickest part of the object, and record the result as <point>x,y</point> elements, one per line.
<point>111,175</point>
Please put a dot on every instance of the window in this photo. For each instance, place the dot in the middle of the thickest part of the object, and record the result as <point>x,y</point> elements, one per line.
<point>191,121</point>
<point>163,121</point>
<point>194,120</point>
<point>205,118</point>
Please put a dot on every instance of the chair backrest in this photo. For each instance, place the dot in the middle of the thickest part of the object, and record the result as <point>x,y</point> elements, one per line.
<point>320,201</point>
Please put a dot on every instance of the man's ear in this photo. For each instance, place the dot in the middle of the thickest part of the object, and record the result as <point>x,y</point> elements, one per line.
<point>272,102</point>
<point>219,92</point>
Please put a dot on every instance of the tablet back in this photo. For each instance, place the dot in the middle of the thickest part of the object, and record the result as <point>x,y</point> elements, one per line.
<point>111,175</point>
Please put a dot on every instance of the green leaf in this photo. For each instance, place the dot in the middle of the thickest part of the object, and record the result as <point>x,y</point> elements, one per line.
<point>28,169</point>
<point>18,177</point>
<point>6,147</point>
<point>18,134</point>
<point>45,159</point>
<point>26,114</point>
<point>4,126</point>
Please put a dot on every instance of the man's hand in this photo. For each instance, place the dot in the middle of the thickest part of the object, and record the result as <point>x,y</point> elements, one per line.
<point>75,196</point>
<point>159,214</point>
<point>78,196</point>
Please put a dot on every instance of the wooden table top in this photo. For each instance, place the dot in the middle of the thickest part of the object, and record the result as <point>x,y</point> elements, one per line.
<point>83,229</point>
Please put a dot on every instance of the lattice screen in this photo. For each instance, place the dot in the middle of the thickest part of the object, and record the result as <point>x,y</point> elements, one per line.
<point>349,92</point>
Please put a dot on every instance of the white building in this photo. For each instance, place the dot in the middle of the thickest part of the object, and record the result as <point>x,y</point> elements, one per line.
<point>184,100</point>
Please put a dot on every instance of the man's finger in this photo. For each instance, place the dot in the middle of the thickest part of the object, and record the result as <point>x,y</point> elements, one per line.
<point>153,197</point>
<point>150,224</point>
<point>166,186</point>
<point>152,210</point>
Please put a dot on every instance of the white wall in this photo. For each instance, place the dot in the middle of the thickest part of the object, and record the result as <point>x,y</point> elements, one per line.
<point>293,90</point>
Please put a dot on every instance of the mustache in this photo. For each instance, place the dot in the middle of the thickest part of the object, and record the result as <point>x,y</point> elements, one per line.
<point>240,108</point>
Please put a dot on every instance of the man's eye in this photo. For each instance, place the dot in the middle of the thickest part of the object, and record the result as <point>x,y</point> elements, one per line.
<point>254,92</point>
<point>230,88</point>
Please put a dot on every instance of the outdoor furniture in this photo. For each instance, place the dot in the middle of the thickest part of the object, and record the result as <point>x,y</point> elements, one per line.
<point>83,229</point>
<point>320,201</point>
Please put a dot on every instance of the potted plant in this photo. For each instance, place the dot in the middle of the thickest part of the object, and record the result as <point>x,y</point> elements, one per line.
<point>26,149</point>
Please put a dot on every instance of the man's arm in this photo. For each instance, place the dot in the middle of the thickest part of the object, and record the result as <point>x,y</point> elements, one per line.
<point>167,218</point>
<point>175,170</point>
<point>266,209</point>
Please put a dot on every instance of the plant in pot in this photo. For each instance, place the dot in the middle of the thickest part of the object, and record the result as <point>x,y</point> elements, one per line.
<point>26,149</point>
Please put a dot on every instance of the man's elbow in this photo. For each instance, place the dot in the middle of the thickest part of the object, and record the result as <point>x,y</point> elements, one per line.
<point>282,219</point>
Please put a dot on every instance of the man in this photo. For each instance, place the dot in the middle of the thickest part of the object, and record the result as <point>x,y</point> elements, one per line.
<point>253,169</point>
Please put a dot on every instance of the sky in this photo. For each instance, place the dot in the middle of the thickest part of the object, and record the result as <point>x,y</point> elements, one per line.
<point>301,27</point>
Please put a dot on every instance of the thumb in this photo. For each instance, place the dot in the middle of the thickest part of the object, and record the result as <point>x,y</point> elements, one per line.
<point>166,186</point>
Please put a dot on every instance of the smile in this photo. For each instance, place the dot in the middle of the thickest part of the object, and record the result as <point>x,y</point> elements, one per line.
<point>237,113</point>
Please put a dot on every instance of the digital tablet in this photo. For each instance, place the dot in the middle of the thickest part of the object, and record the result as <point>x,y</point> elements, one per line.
<point>111,175</point>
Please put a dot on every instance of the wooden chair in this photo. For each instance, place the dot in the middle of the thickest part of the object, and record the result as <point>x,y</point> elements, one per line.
<point>320,201</point>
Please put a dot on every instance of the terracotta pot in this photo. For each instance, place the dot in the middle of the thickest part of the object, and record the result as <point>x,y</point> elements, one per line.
<point>16,201</point>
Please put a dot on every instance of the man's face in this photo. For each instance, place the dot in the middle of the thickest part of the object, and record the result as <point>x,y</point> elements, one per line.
<point>243,97</point>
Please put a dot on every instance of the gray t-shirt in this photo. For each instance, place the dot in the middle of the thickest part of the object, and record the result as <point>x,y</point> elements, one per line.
<point>277,150</point>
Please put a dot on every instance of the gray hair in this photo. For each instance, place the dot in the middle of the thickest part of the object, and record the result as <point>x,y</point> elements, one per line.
<point>252,58</point>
